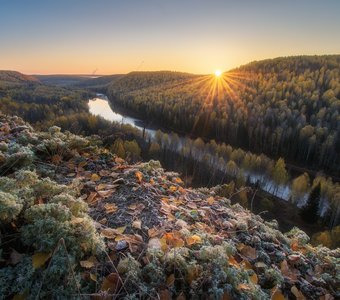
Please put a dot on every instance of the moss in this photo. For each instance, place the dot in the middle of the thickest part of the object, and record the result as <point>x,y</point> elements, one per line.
<point>77,206</point>
<point>10,207</point>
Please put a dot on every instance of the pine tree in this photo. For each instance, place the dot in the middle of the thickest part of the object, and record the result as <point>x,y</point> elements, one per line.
<point>309,212</point>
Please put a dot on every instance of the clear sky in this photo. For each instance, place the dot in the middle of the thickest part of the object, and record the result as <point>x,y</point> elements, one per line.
<point>198,36</point>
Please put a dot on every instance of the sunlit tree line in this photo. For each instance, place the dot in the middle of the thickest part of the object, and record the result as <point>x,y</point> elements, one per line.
<point>286,107</point>
<point>248,168</point>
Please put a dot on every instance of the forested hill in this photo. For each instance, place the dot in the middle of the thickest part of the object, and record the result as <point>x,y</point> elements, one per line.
<point>144,80</point>
<point>285,107</point>
<point>77,222</point>
<point>14,77</point>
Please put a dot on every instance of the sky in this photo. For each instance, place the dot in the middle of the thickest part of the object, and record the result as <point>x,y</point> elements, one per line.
<point>196,36</point>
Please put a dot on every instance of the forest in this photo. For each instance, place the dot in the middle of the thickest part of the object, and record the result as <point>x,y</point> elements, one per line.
<point>284,107</point>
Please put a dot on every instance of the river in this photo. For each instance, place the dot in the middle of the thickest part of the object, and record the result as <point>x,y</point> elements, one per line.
<point>100,106</point>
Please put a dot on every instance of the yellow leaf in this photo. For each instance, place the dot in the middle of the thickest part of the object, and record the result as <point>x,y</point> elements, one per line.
<point>39,259</point>
<point>211,200</point>
<point>194,239</point>
<point>137,224</point>
<point>277,295</point>
<point>93,277</point>
<point>95,177</point>
<point>139,176</point>
<point>178,180</point>
<point>121,229</point>
<point>254,279</point>
<point>173,188</point>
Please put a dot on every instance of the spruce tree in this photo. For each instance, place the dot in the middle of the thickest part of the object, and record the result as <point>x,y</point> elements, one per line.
<point>309,212</point>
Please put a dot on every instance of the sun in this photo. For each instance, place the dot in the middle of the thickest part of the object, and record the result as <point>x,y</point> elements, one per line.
<point>218,73</point>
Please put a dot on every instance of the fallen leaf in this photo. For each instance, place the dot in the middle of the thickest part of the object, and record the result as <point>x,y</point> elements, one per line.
<point>277,295</point>
<point>95,177</point>
<point>113,232</point>
<point>178,180</point>
<point>139,176</point>
<point>111,283</point>
<point>39,259</point>
<point>91,197</point>
<point>243,286</point>
<point>105,194</point>
<point>232,261</point>
<point>154,243</point>
<point>249,252</point>
<point>89,263</point>
<point>246,265</point>
<point>152,232</point>
<point>137,224</point>
<point>211,200</point>
<point>164,295</point>
<point>194,239</point>
<point>295,291</point>
<point>173,188</point>
<point>254,279</point>
<point>110,208</point>
<point>288,272</point>
<point>93,277</point>
<point>170,280</point>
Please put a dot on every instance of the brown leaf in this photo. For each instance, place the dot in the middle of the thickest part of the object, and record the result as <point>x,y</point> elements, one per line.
<point>277,295</point>
<point>137,224</point>
<point>170,280</point>
<point>89,263</point>
<point>110,208</point>
<point>254,279</point>
<point>164,295</point>
<point>105,194</point>
<point>249,252</point>
<point>91,198</point>
<point>232,261</point>
<point>111,283</point>
<point>288,272</point>
<point>295,291</point>
<point>39,259</point>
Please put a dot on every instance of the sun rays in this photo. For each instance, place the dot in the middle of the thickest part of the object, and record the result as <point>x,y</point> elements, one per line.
<point>216,89</point>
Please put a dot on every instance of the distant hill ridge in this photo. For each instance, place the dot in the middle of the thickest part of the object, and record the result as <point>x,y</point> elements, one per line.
<point>17,77</point>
